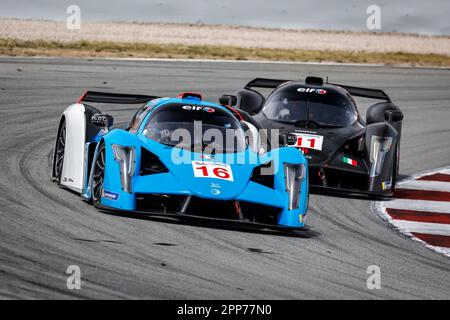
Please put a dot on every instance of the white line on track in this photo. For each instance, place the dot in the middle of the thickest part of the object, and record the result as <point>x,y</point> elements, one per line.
<point>423,227</point>
<point>444,170</point>
<point>323,63</point>
<point>443,250</point>
<point>426,185</point>
<point>418,205</point>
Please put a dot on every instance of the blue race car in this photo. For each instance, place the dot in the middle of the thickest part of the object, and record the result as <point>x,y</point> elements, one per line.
<point>180,156</point>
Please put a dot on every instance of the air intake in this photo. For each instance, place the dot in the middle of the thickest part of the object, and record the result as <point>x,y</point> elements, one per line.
<point>264,174</point>
<point>150,164</point>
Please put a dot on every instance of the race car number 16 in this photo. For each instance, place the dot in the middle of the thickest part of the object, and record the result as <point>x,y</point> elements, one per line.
<point>215,170</point>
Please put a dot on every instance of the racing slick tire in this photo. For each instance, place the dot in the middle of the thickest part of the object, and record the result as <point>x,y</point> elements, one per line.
<point>98,175</point>
<point>58,159</point>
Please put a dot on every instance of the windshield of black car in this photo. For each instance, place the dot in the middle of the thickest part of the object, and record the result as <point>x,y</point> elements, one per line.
<point>323,107</point>
<point>196,128</point>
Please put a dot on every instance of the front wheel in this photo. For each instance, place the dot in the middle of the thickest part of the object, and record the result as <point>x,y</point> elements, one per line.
<point>58,159</point>
<point>98,175</point>
<point>395,168</point>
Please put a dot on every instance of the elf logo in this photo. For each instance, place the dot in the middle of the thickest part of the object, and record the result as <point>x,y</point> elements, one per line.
<point>198,108</point>
<point>312,90</point>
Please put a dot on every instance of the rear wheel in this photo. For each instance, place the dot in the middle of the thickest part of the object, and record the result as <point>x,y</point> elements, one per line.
<point>98,175</point>
<point>395,168</point>
<point>59,152</point>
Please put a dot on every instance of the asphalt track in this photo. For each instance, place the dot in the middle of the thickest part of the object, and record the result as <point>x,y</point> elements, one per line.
<point>44,228</point>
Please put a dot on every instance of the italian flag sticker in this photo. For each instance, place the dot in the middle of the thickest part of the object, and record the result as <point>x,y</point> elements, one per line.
<point>350,161</point>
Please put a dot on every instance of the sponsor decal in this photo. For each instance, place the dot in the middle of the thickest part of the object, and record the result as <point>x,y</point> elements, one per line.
<point>349,161</point>
<point>312,90</point>
<point>215,188</point>
<point>304,150</point>
<point>110,195</point>
<point>213,170</point>
<point>305,131</point>
<point>386,185</point>
<point>207,157</point>
<point>199,108</point>
<point>308,141</point>
<point>215,185</point>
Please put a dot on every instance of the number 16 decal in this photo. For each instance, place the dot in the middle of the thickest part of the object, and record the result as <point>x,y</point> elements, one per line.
<point>214,170</point>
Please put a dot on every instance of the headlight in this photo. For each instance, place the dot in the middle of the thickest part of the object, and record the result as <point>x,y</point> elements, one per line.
<point>379,147</point>
<point>293,177</point>
<point>125,158</point>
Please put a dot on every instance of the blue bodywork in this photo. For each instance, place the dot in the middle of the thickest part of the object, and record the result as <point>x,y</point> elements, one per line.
<point>180,179</point>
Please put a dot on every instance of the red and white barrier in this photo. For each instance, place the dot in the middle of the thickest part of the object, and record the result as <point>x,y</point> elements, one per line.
<point>420,209</point>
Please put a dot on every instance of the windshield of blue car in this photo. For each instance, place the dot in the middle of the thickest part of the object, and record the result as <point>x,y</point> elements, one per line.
<point>196,128</point>
<point>322,107</point>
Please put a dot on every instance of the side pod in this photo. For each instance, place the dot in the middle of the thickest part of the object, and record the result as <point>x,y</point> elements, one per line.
<point>78,131</point>
<point>381,142</point>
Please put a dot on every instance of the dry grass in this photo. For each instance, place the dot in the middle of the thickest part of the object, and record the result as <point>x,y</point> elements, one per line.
<point>222,35</point>
<point>101,49</point>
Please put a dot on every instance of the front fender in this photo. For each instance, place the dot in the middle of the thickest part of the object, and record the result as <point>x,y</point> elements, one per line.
<point>381,150</point>
<point>73,166</point>
<point>297,216</point>
<point>114,194</point>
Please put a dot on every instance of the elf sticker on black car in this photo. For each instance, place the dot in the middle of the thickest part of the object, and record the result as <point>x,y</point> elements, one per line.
<point>312,90</point>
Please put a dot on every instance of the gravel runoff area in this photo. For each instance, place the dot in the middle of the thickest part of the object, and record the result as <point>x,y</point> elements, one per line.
<point>220,35</point>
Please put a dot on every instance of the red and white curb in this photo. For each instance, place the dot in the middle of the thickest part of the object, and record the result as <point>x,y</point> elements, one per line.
<point>420,209</point>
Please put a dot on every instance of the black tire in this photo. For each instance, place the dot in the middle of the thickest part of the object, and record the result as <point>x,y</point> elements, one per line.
<point>60,147</point>
<point>395,168</point>
<point>98,175</point>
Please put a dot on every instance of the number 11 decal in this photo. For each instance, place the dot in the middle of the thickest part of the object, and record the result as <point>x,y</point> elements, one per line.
<point>309,141</point>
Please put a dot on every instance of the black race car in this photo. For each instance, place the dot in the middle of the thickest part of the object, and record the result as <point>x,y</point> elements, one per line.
<point>345,152</point>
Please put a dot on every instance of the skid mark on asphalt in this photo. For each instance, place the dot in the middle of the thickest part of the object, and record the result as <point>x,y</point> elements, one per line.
<point>256,250</point>
<point>96,240</point>
<point>165,244</point>
<point>421,209</point>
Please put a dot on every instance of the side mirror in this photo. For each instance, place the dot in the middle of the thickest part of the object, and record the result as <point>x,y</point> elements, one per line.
<point>287,139</point>
<point>249,100</point>
<point>381,112</point>
<point>393,115</point>
<point>102,120</point>
<point>228,99</point>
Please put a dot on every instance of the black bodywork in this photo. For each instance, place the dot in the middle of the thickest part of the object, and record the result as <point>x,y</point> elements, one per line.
<point>345,152</point>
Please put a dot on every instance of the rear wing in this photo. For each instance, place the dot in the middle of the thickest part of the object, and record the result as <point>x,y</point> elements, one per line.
<point>265,83</point>
<point>365,92</point>
<point>119,98</point>
<point>354,91</point>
